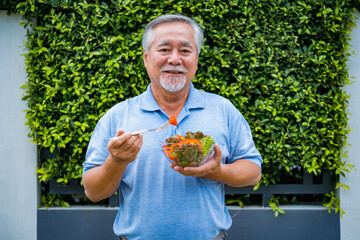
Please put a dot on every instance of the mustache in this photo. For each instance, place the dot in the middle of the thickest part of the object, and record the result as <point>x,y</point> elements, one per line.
<point>173,68</point>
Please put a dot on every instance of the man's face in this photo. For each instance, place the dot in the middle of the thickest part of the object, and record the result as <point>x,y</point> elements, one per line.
<point>172,59</point>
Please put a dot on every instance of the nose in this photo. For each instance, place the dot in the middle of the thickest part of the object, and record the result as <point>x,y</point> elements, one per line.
<point>174,58</point>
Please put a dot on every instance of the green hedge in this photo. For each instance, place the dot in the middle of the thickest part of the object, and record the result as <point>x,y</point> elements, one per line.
<point>281,63</point>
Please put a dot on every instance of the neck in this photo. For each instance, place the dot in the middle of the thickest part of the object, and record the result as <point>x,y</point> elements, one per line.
<point>171,102</point>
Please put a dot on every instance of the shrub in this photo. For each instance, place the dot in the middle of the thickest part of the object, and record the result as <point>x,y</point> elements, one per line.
<point>281,63</point>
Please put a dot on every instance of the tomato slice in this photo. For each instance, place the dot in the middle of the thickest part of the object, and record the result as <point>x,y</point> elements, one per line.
<point>178,137</point>
<point>191,141</point>
<point>169,149</point>
<point>172,120</point>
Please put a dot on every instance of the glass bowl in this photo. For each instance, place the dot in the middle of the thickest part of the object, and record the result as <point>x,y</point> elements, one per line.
<point>183,162</point>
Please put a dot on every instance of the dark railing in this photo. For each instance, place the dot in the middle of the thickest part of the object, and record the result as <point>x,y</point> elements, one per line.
<point>308,186</point>
<point>300,222</point>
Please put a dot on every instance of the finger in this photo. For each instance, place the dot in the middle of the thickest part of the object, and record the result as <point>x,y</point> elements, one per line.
<point>135,145</point>
<point>203,169</point>
<point>119,133</point>
<point>181,171</point>
<point>178,168</point>
<point>129,144</point>
<point>139,140</point>
<point>194,171</point>
<point>121,139</point>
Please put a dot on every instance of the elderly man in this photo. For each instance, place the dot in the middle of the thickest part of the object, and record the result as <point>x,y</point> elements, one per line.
<point>158,201</point>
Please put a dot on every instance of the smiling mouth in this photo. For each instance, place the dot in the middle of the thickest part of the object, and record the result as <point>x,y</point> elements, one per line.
<point>173,72</point>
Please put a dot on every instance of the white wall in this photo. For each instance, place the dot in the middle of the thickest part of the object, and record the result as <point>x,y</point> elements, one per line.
<point>350,199</point>
<point>18,183</point>
<point>18,157</point>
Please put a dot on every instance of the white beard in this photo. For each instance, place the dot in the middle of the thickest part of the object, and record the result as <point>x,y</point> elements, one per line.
<point>173,84</point>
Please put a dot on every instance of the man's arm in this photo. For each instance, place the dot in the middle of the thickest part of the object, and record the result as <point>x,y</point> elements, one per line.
<point>240,173</point>
<point>103,181</point>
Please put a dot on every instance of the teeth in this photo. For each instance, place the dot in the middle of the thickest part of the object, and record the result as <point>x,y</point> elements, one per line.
<point>177,70</point>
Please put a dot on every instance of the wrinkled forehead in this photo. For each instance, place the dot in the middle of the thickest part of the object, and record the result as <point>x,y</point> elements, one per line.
<point>168,32</point>
<point>168,43</point>
<point>173,24</point>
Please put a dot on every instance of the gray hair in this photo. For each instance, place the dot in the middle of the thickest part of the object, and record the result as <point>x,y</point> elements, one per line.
<point>148,36</point>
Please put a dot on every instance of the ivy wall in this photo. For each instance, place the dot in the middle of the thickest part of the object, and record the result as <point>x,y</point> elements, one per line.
<point>281,63</point>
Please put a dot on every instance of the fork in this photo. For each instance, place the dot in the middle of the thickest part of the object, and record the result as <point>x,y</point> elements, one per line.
<point>159,129</point>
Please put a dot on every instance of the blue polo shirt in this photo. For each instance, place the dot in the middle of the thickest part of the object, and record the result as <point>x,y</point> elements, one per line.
<point>157,202</point>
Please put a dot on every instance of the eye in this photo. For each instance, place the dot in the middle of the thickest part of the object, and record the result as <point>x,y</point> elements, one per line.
<point>163,50</point>
<point>186,51</point>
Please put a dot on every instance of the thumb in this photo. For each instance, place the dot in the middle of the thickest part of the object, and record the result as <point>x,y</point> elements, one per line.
<point>217,152</point>
<point>119,133</point>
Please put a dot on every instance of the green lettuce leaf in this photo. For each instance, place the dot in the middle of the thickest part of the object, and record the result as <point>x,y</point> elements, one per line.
<point>206,142</point>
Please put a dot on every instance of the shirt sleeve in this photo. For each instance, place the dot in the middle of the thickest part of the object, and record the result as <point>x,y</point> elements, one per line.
<point>242,145</point>
<point>97,151</point>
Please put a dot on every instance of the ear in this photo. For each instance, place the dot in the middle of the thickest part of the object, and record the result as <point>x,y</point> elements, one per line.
<point>145,55</point>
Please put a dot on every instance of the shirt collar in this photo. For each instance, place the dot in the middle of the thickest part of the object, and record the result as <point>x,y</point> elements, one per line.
<point>195,100</point>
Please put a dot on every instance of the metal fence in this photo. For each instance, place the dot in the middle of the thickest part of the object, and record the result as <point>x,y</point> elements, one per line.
<point>303,222</point>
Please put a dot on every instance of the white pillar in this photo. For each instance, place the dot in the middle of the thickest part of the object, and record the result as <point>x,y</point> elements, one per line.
<point>350,221</point>
<point>18,157</point>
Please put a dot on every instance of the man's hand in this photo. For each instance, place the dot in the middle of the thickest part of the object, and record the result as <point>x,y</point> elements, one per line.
<point>125,147</point>
<point>210,170</point>
<point>102,181</point>
<point>240,173</point>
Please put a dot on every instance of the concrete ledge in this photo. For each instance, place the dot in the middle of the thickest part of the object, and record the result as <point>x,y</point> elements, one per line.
<point>76,223</point>
<point>250,223</point>
<point>298,223</point>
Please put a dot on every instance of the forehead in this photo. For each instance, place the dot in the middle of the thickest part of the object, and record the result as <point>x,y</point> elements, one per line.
<point>174,31</point>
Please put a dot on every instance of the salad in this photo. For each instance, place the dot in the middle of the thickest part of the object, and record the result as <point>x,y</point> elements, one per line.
<point>193,149</point>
